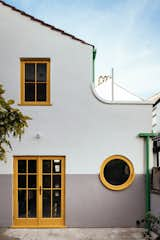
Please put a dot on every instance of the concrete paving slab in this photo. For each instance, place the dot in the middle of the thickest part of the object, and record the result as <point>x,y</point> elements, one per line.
<point>4,237</point>
<point>74,234</point>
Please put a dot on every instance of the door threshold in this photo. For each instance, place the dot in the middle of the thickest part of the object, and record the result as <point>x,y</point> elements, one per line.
<point>38,226</point>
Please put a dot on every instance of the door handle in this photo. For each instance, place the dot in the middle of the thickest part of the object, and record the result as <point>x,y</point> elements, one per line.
<point>40,190</point>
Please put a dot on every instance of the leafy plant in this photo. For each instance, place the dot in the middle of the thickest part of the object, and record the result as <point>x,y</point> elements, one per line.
<point>12,123</point>
<point>151,224</point>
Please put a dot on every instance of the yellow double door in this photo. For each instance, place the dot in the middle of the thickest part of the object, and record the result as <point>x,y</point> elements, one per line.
<point>38,192</point>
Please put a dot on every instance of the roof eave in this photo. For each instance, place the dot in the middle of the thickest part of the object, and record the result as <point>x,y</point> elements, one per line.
<point>44,23</point>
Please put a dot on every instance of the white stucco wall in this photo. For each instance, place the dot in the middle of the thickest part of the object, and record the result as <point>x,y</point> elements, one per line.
<point>77,124</point>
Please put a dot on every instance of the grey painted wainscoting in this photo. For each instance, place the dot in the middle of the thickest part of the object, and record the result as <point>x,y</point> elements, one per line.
<point>90,204</point>
<point>5,200</point>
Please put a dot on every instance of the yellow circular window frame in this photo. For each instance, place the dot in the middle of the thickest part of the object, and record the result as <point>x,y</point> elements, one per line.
<point>124,185</point>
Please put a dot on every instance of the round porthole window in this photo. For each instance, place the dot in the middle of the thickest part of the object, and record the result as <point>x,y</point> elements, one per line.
<point>117,172</point>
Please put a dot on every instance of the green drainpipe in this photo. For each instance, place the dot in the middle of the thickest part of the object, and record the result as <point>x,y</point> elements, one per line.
<point>94,57</point>
<point>147,137</point>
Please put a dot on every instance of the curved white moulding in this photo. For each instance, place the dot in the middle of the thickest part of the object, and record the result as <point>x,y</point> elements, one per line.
<point>99,98</point>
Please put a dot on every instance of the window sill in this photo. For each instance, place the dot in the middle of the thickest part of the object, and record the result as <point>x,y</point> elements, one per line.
<point>34,104</point>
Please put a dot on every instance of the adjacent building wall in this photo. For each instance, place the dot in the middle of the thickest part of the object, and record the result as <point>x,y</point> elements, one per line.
<point>76,125</point>
<point>155,198</point>
<point>156,118</point>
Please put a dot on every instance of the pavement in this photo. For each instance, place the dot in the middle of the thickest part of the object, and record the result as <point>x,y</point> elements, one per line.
<point>72,234</point>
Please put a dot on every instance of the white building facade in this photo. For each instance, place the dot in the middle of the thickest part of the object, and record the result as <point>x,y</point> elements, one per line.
<point>52,177</point>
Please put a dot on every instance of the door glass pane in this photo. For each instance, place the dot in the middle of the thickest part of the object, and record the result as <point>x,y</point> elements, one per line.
<point>32,168</point>
<point>29,92</point>
<point>56,203</point>
<point>22,181</point>
<point>41,92</point>
<point>32,181</point>
<point>31,203</point>
<point>21,166</point>
<point>46,181</point>
<point>56,166</point>
<point>56,181</point>
<point>46,203</point>
<point>29,72</point>
<point>21,203</point>
<point>41,72</point>
<point>46,166</point>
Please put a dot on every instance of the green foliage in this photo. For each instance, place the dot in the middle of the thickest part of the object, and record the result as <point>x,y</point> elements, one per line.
<point>151,224</point>
<point>12,123</point>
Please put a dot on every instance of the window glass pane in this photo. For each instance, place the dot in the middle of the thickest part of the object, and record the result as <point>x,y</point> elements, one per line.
<point>46,203</point>
<point>116,172</point>
<point>29,92</point>
<point>46,181</point>
<point>29,72</point>
<point>56,181</point>
<point>41,72</point>
<point>22,181</point>
<point>56,203</point>
<point>32,181</point>
<point>56,166</point>
<point>32,203</point>
<point>41,92</point>
<point>21,203</point>
<point>21,166</point>
<point>32,166</point>
<point>46,166</point>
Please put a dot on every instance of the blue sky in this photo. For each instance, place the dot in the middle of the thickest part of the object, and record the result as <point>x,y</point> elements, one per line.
<point>125,32</point>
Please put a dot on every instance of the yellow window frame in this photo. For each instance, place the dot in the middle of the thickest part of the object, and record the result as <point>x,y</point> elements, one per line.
<point>121,186</point>
<point>38,221</point>
<point>24,61</point>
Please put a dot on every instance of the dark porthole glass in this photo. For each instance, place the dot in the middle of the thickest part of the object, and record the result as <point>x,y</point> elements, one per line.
<point>116,172</point>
